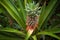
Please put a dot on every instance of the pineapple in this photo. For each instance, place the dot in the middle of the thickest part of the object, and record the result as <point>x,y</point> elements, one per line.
<point>33,12</point>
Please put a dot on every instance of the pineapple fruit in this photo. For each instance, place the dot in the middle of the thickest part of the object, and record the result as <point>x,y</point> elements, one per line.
<point>33,12</point>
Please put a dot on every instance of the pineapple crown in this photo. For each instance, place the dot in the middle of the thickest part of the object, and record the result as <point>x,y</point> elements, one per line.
<point>33,9</point>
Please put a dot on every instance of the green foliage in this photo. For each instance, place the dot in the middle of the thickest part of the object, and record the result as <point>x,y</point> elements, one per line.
<point>17,10</point>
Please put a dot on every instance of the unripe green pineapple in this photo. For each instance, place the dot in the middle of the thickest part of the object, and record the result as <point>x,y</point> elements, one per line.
<point>33,11</point>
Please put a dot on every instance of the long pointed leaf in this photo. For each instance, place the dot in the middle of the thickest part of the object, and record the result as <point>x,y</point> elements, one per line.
<point>23,13</point>
<point>48,33</point>
<point>46,13</point>
<point>12,11</point>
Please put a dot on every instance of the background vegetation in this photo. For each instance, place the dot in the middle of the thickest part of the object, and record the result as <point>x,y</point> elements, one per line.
<point>13,20</point>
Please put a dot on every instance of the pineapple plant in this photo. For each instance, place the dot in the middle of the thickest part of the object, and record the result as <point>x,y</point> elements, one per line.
<point>34,15</point>
<point>33,11</point>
